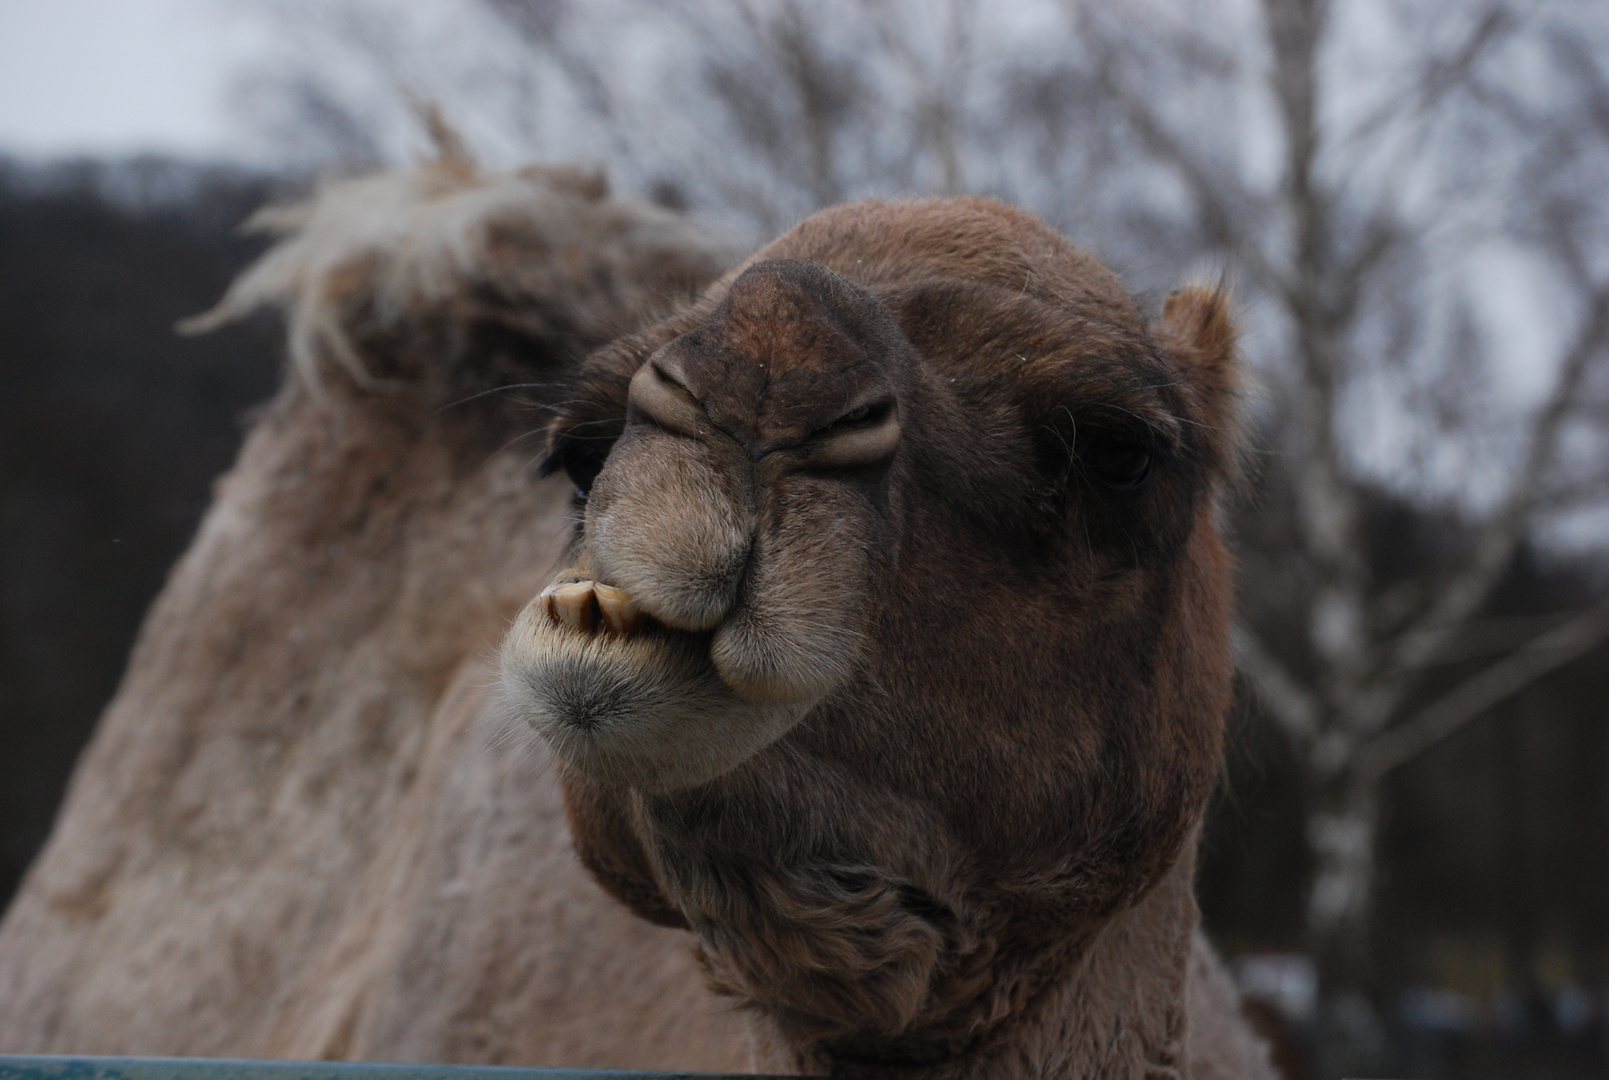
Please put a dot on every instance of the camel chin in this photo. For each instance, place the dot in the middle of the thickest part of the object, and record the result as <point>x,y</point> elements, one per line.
<point>627,700</point>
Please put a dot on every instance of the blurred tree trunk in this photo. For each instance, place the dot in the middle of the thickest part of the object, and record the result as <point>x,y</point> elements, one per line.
<point>1349,714</point>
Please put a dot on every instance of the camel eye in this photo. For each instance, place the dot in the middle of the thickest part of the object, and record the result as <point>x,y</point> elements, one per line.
<point>582,469</point>
<point>867,415</point>
<point>1118,462</point>
<point>865,435</point>
<point>580,460</point>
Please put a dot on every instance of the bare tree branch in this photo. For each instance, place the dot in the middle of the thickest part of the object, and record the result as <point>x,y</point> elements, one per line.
<point>1483,638</point>
<point>1462,593</point>
<point>1578,493</point>
<point>1293,707</point>
<point>538,24</point>
<point>1219,221</point>
<point>1382,235</point>
<point>1435,722</point>
<point>937,117</point>
<point>1439,76</point>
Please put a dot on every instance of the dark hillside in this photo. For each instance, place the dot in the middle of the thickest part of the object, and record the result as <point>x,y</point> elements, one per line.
<point>111,431</point>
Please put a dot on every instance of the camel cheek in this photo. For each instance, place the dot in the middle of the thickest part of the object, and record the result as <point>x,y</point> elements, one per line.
<point>797,631</point>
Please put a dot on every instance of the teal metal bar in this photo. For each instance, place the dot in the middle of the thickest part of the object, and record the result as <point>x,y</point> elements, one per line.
<point>19,1067</point>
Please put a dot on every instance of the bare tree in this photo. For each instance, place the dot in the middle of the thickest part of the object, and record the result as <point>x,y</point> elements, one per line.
<point>764,110</point>
<point>1346,259</point>
<point>797,105</point>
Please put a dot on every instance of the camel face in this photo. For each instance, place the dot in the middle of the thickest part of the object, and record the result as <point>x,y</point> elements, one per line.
<point>728,572</point>
<point>893,655</point>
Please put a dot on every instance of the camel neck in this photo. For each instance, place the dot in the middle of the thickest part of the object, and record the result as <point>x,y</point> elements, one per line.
<point>1117,1011</point>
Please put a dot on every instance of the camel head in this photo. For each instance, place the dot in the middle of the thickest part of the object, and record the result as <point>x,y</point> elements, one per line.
<point>892,657</point>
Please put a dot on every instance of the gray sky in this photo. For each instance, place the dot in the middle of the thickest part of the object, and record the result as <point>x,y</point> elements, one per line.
<point>120,76</point>
<point>113,77</point>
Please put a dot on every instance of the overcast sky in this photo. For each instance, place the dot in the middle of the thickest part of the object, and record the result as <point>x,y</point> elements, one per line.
<point>120,76</point>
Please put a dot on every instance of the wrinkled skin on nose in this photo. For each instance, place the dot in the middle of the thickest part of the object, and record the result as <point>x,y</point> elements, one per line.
<point>744,512</point>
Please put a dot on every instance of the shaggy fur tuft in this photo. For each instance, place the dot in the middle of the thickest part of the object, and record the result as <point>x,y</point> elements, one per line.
<point>461,280</point>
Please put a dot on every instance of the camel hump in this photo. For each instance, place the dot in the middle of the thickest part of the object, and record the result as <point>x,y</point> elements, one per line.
<point>301,828</point>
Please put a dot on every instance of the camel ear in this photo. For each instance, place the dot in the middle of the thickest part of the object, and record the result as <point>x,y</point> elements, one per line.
<point>1199,336</point>
<point>607,845</point>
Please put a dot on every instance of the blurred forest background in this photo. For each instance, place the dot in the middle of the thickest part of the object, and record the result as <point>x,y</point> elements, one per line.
<point>1408,860</point>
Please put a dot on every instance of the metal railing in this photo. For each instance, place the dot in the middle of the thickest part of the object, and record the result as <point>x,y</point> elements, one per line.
<point>39,1067</point>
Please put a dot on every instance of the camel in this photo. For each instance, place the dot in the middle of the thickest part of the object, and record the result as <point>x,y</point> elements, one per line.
<point>299,830</point>
<point>891,657</point>
<point>305,827</point>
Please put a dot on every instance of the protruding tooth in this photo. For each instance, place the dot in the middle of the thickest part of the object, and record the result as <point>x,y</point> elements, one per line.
<point>576,606</point>
<point>544,603</point>
<point>620,612</point>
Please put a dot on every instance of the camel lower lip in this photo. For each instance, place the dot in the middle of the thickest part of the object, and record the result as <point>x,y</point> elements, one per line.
<point>647,709</point>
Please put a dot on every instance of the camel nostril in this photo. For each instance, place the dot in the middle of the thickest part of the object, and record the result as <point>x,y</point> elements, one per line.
<point>662,399</point>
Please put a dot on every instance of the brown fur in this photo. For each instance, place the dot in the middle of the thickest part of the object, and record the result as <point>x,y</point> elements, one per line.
<point>300,830</point>
<point>920,733</point>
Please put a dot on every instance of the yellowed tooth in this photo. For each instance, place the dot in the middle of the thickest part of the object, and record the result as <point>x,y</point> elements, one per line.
<point>620,612</point>
<point>576,606</point>
<point>544,603</point>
